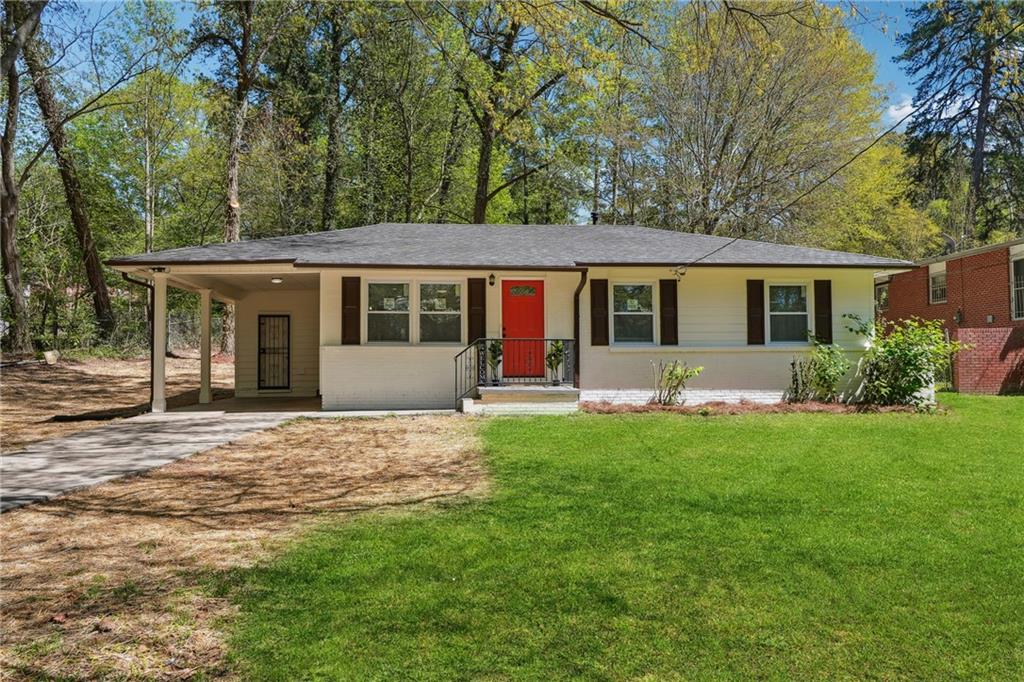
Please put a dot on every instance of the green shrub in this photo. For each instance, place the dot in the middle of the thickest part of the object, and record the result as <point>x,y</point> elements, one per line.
<point>817,376</point>
<point>670,380</point>
<point>903,359</point>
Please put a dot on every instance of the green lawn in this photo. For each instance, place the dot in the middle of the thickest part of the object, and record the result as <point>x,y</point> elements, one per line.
<point>658,546</point>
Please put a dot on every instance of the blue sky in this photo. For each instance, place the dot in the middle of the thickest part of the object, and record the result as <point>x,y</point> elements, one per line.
<point>891,15</point>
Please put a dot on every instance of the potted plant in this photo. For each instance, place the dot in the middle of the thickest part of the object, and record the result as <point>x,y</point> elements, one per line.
<point>553,359</point>
<point>494,351</point>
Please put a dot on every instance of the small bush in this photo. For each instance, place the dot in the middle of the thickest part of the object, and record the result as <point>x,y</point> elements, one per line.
<point>904,359</point>
<point>817,377</point>
<point>670,380</point>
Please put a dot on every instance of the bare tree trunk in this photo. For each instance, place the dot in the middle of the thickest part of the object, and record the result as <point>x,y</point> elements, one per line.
<point>978,153</point>
<point>53,121</point>
<point>332,162</point>
<point>149,209</point>
<point>19,34</point>
<point>20,339</point>
<point>452,152</point>
<point>483,169</point>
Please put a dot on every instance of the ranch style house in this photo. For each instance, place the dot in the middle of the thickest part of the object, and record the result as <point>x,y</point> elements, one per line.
<point>408,316</point>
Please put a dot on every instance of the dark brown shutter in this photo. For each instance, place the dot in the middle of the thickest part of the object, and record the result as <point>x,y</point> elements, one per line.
<point>755,312</point>
<point>350,335</point>
<point>823,310</point>
<point>598,312</point>
<point>669,317</point>
<point>477,308</point>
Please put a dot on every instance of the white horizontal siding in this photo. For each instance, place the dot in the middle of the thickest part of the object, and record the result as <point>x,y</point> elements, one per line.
<point>712,333</point>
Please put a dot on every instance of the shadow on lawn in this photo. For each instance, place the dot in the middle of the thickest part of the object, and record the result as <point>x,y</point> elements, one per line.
<point>113,576</point>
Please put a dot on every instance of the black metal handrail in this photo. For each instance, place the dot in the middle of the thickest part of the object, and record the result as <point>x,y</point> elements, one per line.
<point>503,362</point>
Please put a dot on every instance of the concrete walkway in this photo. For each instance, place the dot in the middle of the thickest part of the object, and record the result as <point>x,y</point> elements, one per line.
<point>52,467</point>
<point>130,446</point>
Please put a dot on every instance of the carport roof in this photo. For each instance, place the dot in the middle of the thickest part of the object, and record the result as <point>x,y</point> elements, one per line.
<point>540,247</point>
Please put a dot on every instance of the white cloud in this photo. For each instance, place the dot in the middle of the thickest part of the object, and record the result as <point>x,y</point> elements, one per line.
<point>895,112</point>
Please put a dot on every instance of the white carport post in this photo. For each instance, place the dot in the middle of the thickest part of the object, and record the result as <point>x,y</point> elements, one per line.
<point>204,346</point>
<point>159,341</point>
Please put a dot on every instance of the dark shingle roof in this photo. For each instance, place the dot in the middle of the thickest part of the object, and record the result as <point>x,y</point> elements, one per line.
<point>506,246</point>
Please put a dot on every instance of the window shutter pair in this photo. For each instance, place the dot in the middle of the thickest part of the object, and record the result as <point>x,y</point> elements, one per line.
<point>667,309</point>
<point>756,312</point>
<point>350,288</point>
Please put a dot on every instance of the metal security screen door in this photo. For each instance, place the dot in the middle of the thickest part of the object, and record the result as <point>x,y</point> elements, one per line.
<point>275,351</point>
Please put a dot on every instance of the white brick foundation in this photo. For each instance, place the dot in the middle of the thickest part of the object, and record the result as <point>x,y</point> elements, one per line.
<point>691,397</point>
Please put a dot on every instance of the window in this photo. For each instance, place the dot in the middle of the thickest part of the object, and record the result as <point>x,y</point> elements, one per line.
<point>633,311</point>
<point>440,313</point>
<point>387,314</point>
<point>881,297</point>
<point>1017,273</point>
<point>787,313</point>
<point>937,288</point>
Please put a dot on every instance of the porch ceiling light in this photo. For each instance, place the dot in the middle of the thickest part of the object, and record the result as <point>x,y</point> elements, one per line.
<point>276,280</point>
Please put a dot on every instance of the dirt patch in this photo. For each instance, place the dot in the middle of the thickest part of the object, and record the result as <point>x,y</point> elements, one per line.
<point>39,399</point>
<point>742,407</point>
<point>104,582</point>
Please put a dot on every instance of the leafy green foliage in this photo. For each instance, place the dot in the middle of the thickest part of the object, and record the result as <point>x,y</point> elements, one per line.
<point>670,381</point>
<point>557,112</point>
<point>555,355</point>
<point>817,376</point>
<point>904,359</point>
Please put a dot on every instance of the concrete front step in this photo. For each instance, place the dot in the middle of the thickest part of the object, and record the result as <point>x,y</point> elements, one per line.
<point>528,394</point>
<point>471,406</point>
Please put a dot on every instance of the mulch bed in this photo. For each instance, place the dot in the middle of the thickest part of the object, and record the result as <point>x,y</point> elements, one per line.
<point>742,407</point>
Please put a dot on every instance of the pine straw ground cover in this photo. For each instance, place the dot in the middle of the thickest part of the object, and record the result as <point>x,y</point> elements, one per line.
<point>33,395</point>
<point>110,582</point>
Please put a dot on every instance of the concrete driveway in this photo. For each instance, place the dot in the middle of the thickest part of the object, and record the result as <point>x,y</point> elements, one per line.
<point>49,468</point>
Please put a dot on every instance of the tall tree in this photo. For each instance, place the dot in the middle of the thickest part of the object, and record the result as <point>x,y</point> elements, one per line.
<point>54,118</point>
<point>506,61</point>
<point>748,117</point>
<point>241,35</point>
<point>965,58</point>
<point>20,338</point>
<point>19,32</point>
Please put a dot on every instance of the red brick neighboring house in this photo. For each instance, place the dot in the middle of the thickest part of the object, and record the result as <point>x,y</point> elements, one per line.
<point>979,296</point>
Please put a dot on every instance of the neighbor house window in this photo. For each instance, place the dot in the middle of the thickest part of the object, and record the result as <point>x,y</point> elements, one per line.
<point>387,314</point>
<point>633,311</point>
<point>1017,272</point>
<point>937,287</point>
<point>440,313</point>
<point>881,297</point>
<point>787,313</point>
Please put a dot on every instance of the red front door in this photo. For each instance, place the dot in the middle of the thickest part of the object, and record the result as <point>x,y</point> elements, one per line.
<point>522,317</point>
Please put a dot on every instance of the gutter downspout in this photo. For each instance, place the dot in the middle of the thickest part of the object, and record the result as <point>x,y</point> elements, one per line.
<point>576,328</point>
<point>149,319</point>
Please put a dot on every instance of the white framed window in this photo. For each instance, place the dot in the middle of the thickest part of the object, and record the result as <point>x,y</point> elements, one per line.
<point>881,297</point>
<point>1017,287</point>
<point>789,319</point>
<point>440,307</point>
<point>387,312</point>
<point>937,287</point>
<point>633,313</point>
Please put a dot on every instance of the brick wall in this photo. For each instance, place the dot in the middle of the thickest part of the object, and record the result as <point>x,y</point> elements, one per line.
<point>995,364</point>
<point>977,286</point>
